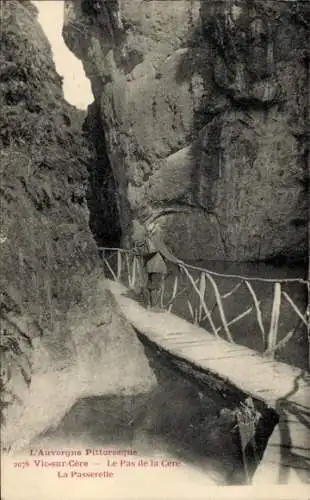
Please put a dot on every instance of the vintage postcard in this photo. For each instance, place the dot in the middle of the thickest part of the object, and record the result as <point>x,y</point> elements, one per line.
<point>154,247</point>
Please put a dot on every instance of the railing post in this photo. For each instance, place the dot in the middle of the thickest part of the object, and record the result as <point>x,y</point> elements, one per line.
<point>191,310</point>
<point>128,269</point>
<point>202,289</point>
<point>119,265</point>
<point>140,271</point>
<point>273,330</point>
<point>133,276</point>
<point>162,291</point>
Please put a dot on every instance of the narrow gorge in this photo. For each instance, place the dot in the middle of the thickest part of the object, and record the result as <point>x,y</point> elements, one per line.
<point>204,115</point>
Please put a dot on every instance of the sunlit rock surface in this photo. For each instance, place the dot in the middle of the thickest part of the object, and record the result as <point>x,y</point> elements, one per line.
<point>204,107</point>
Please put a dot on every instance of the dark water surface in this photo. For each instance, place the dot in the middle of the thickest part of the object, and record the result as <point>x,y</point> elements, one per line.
<point>177,420</point>
<point>174,426</point>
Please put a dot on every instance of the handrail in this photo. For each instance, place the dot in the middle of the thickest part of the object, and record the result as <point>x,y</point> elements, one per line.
<point>248,278</point>
<point>116,249</point>
<point>222,275</point>
<point>129,262</point>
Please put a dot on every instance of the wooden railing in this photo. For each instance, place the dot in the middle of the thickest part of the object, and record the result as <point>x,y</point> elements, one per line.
<point>198,288</point>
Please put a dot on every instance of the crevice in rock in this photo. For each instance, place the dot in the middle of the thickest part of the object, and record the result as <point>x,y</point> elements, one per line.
<point>102,190</point>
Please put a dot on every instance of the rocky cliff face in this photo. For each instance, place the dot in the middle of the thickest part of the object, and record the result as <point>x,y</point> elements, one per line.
<point>204,107</point>
<point>55,311</point>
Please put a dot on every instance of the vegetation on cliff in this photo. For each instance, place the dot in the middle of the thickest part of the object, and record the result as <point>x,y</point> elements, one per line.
<point>46,246</point>
<point>54,306</point>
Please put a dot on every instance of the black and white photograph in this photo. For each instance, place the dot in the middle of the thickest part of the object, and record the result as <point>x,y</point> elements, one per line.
<point>154,249</point>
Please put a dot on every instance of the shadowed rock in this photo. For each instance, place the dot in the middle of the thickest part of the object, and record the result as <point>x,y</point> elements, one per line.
<point>226,82</point>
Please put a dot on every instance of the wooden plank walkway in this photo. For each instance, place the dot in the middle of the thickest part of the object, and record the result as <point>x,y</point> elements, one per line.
<point>280,386</point>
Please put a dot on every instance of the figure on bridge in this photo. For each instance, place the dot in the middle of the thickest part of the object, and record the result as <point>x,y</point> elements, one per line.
<point>156,256</point>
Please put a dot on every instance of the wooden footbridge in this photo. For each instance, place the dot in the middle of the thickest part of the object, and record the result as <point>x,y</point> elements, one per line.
<point>208,348</point>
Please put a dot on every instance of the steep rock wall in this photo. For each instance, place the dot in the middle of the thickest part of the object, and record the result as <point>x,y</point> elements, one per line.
<point>204,110</point>
<point>56,315</point>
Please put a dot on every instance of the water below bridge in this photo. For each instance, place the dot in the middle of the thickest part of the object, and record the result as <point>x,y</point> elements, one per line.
<point>188,434</point>
<point>176,430</point>
<point>194,443</point>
